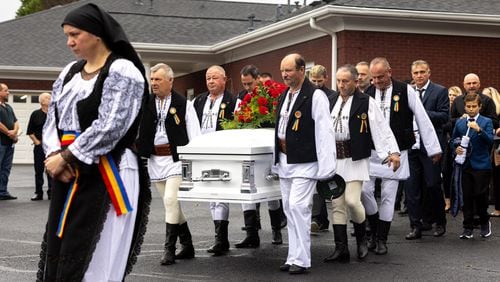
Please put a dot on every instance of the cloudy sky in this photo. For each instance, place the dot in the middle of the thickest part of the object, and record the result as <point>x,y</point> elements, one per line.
<point>9,7</point>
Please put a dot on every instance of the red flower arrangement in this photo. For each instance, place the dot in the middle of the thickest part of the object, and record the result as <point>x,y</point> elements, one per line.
<point>258,108</point>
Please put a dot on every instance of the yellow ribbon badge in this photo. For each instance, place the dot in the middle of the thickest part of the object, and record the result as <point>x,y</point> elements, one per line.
<point>173,111</point>
<point>364,124</point>
<point>221,112</point>
<point>297,115</point>
<point>396,103</point>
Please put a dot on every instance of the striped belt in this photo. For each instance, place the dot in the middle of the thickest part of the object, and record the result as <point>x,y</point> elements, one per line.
<point>112,181</point>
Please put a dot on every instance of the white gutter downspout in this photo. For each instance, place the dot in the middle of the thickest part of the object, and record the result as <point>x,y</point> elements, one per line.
<point>313,25</point>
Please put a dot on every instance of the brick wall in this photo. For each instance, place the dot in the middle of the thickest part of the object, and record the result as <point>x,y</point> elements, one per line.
<point>450,57</point>
<point>317,51</point>
<point>28,84</point>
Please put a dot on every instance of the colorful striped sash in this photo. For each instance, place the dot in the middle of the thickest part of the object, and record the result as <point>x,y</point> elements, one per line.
<point>112,181</point>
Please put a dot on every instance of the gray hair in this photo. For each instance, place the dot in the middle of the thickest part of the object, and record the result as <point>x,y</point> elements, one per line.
<point>349,68</point>
<point>380,60</point>
<point>169,73</point>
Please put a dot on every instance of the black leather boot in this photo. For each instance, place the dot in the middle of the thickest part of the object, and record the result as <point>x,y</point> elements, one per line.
<point>170,240</point>
<point>187,249</point>
<point>221,245</point>
<point>276,226</point>
<point>360,230</point>
<point>284,220</point>
<point>259,227</point>
<point>252,240</point>
<point>373,223</point>
<point>341,252</point>
<point>382,232</point>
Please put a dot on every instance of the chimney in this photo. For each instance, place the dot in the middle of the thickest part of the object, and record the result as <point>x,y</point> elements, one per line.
<point>251,18</point>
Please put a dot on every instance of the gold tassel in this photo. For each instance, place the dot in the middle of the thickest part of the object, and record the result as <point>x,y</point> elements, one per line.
<point>221,113</point>
<point>295,126</point>
<point>396,106</point>
<point>177,120</point>
<point>363,126</point>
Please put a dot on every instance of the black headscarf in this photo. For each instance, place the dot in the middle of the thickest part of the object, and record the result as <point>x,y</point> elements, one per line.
<point>95,20</point>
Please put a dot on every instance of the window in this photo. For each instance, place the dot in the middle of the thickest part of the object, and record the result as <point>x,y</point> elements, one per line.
<point>20,98</point>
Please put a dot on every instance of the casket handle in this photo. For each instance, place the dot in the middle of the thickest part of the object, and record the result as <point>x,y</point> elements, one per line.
<point>213,175</point>
<point>272,176</point>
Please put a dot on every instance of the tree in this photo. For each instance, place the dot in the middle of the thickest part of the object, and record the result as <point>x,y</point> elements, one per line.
<point>33,6</point>
<point>29,7</point>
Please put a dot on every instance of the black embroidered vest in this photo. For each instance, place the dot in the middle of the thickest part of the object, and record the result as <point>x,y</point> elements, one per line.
<point>361,138</point>
<point>177,133</point>
<point>401,121</point>
<point>300,144</point>
<point>228,100</point>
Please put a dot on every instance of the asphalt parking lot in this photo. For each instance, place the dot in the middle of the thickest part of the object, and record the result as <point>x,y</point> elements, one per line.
<point>430,259</point>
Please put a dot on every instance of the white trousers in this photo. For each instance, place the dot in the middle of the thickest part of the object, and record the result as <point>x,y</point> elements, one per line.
<point>110,256</point>
<point>168,190</point>
<point>271,205</point>
<point>297,204</point>
<point>349,201</point>
<point>219,211</point>
<point>389,189</point>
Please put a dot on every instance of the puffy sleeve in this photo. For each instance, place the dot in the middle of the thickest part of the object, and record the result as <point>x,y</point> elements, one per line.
<point>381,132</point>
<point>325,136</point>
<point>192,123</point>
<point>49,136</point>
<point>426,129</point>
<point>120,104</point>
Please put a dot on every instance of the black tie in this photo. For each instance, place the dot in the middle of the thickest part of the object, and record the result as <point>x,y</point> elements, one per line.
<point>421,91</point>
<point>290,97</point>
<point>382,95</point>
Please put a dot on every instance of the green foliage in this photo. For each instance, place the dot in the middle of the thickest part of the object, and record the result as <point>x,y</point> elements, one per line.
<point>32,6</point>
<point>29,7</point>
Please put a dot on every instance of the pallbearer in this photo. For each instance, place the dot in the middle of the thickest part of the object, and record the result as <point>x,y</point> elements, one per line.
<point>399,104</point>
<point>169,120</point>
<point>304,153</point>
<point>358,123</point>
<point>211,107</point>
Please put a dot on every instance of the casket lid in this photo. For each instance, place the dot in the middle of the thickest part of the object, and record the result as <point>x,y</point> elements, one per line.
<point>232,142</point>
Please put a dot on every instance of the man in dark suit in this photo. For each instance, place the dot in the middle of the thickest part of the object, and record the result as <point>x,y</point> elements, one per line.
<point>211,107</point>
<point>364,76</point>
<point>424,199</point>
<point>472,84</point>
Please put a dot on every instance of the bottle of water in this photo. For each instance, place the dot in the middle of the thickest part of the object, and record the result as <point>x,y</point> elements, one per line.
<point>464,143</point>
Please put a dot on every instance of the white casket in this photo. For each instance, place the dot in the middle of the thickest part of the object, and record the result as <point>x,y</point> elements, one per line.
<point>232,166</point>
